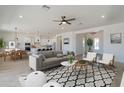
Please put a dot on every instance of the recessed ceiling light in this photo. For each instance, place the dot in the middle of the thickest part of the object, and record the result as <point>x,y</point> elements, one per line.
<point>103,16</point>
<point>20,16</point>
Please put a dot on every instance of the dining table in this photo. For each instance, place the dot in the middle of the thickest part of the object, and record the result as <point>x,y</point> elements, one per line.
<point>13,53</point>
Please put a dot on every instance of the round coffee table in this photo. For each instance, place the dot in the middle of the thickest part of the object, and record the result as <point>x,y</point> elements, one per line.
<point>67,64</point>
<point>82,64</point>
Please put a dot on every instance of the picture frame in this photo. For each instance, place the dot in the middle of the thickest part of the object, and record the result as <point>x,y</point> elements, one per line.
<point>12,44</point>
<point>66,40</point>
<point>116,38</point>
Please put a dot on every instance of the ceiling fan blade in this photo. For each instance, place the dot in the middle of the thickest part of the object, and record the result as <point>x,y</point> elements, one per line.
<point>72,19</point>
<point>60,23</point>
<point>57,20</point>
<point>68,22</point>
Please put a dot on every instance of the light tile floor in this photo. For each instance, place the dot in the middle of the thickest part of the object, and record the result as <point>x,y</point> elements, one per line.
<point>10,72</point>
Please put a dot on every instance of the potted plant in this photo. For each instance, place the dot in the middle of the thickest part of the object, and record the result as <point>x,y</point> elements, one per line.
<point>89,43</point>
<point>1,43</point>
<point>70,57</point>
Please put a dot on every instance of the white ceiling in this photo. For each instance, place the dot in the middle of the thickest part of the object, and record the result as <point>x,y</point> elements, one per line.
<point>36,18</point>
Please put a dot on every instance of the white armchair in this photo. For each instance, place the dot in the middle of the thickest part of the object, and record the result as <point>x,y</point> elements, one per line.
<point>91,57</point>
<point>34,79</point>
<point>107,59</point>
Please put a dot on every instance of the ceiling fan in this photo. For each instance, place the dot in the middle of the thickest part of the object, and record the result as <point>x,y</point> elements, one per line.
<point>64,20</point>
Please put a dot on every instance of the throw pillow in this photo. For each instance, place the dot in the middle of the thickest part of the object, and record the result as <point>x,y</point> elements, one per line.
<point>42,57</point>
<point>39,56</point>
<point>60,55</point>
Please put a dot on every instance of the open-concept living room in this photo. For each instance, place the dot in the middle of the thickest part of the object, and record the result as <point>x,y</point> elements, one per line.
<point>61,46</point>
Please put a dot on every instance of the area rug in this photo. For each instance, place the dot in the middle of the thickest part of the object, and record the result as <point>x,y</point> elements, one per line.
<point>93,76</point>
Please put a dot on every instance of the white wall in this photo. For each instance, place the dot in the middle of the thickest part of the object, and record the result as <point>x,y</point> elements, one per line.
<point>10,36</point>
<point>7,36</point>
<point>72,39</point>
<point>79,44</point>
<point>24,38</point>
<point>116,49</point>
<point>107,47</point>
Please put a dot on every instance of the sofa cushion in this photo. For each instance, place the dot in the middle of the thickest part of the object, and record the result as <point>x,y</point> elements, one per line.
<point>48,54</point>
<point>60,55</point>
<point>41,56</point>
<point>54,61</point>
<point>49,61</point>
<point>64,58</point>
<point>57,52</point>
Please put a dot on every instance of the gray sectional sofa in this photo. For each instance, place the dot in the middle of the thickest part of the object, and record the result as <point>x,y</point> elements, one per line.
<point>46,59</point>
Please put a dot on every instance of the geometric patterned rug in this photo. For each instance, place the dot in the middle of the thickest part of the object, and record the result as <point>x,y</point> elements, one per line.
<point>93,76</point>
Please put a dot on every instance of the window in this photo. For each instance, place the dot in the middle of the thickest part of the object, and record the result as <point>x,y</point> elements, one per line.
<point>83,42</point>
<point>96,43</point>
